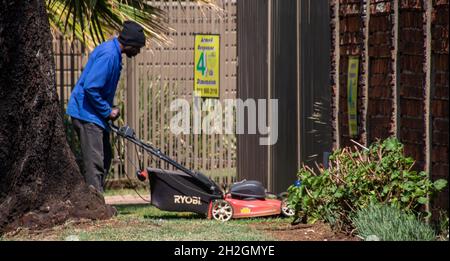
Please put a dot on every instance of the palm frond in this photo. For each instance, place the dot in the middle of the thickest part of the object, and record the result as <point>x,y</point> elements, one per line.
<point>94,21</point>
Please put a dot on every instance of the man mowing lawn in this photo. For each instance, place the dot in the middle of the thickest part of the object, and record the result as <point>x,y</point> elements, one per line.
<point>91,103</point>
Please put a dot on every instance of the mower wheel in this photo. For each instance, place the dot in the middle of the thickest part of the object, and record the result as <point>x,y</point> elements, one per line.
<point>285,209</point>
<point>221,210</point>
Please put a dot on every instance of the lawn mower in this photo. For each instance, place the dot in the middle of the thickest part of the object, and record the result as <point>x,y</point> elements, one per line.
<point>185,190</point>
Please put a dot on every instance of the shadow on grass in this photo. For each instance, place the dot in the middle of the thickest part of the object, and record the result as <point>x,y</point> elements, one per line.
<point>148,211</point>
<point>187,216</point>
<point>128,209</point>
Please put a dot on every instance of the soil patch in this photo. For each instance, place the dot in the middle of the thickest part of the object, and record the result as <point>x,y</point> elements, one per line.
<point>303,232</point>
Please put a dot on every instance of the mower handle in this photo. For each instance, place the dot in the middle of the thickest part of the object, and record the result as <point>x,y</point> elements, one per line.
<point>128,133</point>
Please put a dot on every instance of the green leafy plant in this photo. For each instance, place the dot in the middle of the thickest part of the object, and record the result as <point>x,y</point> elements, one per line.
<point>357,177</point>
<point>389,223</point>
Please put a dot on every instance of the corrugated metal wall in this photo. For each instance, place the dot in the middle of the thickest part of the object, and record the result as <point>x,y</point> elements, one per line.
<point>283,86</point>
<point>252,80</point>
<point>315,100</point>
<point>296,72</point>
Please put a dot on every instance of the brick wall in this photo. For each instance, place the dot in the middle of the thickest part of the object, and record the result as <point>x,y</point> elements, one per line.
<point>439,96</point>
<point>397,72</point>
<point>411,58</point>
<point>333,70</point>
<point>351,43</point>
<point>381,63</point>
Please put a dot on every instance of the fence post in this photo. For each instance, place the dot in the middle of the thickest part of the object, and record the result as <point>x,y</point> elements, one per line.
<point>130,105</point>
<point>364,118</point>
<point>396,72</point>
<point>337,60</point>
<point>428,88</point>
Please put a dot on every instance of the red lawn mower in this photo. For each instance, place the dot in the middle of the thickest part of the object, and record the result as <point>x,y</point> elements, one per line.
<point>189,191</point>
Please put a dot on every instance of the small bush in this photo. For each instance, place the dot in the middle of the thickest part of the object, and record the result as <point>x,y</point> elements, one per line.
<point>356,178</point>
<point>389,223</point>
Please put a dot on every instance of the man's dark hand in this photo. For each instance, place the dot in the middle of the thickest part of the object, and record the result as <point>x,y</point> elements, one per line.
<point>115,113</point>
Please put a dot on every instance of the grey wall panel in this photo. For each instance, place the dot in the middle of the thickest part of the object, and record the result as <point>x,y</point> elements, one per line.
<point>252,82</point>
<point>300,85</point>
<point>284,88</point>
<point>315,98</point>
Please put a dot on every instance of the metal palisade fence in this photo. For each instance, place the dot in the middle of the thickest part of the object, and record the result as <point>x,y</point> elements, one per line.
<point>155,78</point>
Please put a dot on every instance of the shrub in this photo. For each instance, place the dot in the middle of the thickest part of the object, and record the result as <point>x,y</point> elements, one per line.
<point>389,223</point>
<point>355,178</point>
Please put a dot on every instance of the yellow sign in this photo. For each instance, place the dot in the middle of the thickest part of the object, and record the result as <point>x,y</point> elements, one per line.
<point>206,66</point>
<point>352,95</point>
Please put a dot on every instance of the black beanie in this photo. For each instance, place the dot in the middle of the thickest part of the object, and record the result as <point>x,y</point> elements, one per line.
<point>132,34</point>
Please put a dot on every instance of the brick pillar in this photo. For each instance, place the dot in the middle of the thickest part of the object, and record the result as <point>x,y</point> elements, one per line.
<point>412,79</point>
<point>351,34</point>
<point>440,98</point>
<point>380,92</point>
<point>334,70</point>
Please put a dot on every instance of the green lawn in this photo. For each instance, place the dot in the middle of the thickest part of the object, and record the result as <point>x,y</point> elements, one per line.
<point>145,222</point>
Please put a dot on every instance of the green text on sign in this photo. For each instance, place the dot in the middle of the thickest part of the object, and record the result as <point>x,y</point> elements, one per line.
<point>207,66</point>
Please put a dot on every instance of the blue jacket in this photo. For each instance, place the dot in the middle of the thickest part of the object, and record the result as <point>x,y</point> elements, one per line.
<point>93,95</point>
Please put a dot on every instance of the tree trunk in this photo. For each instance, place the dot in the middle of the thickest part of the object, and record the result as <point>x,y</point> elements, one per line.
<point>40,183</point>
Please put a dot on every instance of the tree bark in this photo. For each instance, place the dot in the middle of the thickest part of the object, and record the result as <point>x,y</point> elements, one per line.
<point>40,182</point>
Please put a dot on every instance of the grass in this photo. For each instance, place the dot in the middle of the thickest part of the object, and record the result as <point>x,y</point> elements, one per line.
<point>147,223</point>
<point>389,223</point>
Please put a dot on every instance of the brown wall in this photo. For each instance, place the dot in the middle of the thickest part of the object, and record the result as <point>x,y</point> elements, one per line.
<point>411,81</point>
<point>351,43</point>
<point>380,107</point>
<point>315,98</point>
<point>284,154</point>
<point>403,77</point>
<point>439,95</point>
<point>252,17</point>
<point>282,51</point>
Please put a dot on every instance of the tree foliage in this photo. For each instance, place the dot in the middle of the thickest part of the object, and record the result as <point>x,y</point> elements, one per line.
<point>94,21</point>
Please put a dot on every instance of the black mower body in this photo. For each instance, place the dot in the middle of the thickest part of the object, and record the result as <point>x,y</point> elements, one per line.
<point>248,189</point>
<point>189,191</point>
<point>177,191</point>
